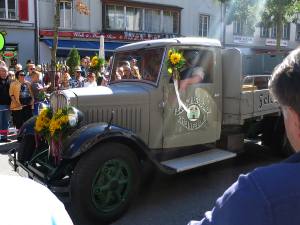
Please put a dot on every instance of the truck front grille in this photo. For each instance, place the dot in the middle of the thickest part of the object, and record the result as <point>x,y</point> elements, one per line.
<point>127,117</point>
<point>58,101</point>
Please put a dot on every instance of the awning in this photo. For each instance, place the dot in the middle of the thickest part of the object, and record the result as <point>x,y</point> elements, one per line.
<point>84,45</point>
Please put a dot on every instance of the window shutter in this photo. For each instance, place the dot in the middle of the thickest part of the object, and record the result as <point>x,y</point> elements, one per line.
<point>23,10</point>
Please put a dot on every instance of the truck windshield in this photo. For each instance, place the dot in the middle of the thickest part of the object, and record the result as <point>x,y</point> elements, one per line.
<point>142,65</point>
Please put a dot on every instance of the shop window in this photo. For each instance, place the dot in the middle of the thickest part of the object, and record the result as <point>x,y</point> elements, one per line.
<point>8,9</point>
<point>152,20</point>
<point>203,25</point>
<point>141,19</point>
<point>242,28</point>
<point>237,27</point>
<point>298,32</point>
<point>170,22</point>
<point>115,17</point>
<point>134,19</point>
<point>66,14</point>
<point>264,31</point>
<point>285,31</point>
<point>274,32</point>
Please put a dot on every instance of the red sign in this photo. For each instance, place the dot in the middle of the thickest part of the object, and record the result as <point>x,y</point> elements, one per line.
<point>120,36</point>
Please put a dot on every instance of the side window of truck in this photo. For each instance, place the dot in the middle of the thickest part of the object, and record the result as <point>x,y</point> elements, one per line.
<point>198,67</point>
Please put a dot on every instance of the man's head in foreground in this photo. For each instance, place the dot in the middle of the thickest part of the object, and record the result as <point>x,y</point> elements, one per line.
<point>285,88</point>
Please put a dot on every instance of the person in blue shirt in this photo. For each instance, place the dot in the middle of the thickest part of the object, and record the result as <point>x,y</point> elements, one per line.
<point>269,195</point>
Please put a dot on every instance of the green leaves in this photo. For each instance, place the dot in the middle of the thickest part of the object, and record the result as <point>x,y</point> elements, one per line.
<point>73,60</point>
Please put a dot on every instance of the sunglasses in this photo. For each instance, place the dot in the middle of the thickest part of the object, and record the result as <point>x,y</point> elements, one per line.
<point>31,68</point>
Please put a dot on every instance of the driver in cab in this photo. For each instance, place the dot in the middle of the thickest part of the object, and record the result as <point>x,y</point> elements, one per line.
<point>192,73</point>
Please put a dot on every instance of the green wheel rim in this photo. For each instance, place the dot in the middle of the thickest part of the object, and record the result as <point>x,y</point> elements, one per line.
<point>111,185</point>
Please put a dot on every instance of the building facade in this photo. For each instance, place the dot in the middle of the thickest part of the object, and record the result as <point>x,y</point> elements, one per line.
<point>123,22</point>
<point>17,22</point>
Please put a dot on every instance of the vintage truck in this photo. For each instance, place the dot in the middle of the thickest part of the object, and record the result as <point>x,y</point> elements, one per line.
<point>134,122</point>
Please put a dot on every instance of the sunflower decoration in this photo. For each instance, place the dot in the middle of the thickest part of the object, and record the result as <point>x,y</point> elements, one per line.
<point>175,62</point>
<point>43,121</point>
<point>54,127</point>
<point>96,63</point>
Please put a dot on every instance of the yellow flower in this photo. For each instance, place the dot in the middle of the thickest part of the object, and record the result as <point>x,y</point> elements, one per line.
<point>175,58</point>
<point>94,63</point>
<point>58,113</point>
<point>170,70</point>
<point>54,126</point>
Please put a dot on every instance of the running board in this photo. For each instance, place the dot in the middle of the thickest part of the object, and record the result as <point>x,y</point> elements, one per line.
<point>198,159</point>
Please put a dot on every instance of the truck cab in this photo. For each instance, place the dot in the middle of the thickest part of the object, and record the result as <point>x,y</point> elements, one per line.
<point>146,116</point>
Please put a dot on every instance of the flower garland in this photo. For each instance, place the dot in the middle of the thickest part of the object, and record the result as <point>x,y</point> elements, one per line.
<point>175,63</point>
<point>54,127</point>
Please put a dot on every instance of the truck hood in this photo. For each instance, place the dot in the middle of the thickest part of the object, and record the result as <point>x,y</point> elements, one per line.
<point>117,94</point>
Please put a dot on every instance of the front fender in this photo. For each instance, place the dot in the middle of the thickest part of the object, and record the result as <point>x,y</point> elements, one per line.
<point>88,136</point>
<point>27,128</point>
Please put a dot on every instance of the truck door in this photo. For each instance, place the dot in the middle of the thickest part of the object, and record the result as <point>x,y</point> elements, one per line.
<point>199,122</point>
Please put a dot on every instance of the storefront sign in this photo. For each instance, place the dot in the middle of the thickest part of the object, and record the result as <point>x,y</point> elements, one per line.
<point>9,54</point>
<point>272,42</point>
<point>120,36</point>
<point>9,51</point>
<point>243,40</point>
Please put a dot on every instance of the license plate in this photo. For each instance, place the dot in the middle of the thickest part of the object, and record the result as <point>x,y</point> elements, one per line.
<point>22,172</point>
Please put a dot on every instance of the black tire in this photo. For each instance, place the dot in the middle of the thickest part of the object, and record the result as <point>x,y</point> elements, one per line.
<point>91,175</point>
<point>287,149</point>
<point>274,136</point>
<point>26,148</point>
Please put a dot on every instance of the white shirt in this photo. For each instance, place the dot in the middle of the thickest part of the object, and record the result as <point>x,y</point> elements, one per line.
<point>90,84</point>
<point>26,202</point>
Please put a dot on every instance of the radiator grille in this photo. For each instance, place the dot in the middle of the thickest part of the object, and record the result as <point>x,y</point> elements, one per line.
<point>129,117</point>
<point>58,101</point>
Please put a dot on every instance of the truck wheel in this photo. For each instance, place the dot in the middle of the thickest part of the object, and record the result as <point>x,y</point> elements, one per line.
<point>26,148</point>
<point>274,136</point>
<point>287,149</point>
<point>104,183</point>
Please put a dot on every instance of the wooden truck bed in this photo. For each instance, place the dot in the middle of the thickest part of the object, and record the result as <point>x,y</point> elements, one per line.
<point>244,97</point>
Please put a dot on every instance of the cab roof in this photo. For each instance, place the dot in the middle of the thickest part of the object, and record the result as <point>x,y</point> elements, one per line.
<point>171,42</point>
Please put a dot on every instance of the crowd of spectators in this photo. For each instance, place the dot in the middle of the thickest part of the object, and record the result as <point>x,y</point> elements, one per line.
<point>22,89</point>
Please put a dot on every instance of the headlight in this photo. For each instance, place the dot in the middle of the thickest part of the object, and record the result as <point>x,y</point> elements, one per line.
<point>42,106</point>
<point>75,116</point>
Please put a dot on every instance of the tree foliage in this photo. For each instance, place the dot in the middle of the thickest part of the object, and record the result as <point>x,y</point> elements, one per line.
<point>268,12</point>
<point>73,60</point>
<point>278,12</point>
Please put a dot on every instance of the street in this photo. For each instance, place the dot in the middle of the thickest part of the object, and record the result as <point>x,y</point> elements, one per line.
<point>174,200</point>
